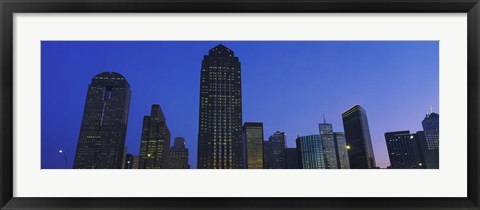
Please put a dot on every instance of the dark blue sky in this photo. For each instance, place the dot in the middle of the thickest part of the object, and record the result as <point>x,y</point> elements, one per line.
<point>287,85</point>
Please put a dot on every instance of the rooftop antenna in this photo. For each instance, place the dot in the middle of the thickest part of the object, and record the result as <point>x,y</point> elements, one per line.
<point>324,118</point>
<point>431,109</point>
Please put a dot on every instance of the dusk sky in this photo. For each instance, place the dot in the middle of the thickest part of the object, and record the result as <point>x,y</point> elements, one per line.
<point>287,85</point>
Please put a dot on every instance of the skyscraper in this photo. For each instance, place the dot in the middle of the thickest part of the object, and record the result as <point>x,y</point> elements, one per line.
<point>430,134</point>
<point>155,141</point>
<point>220,120</point>
<point>429,157</point>
<point>266,155</point>
<point>253,145</point>
<point>291,158</point>
<point>104,124</point>
<point>334,147</point>
<point>357,134</point>
<point>310,152</point>
<point>326,136</point>
<point>431,127</point>
<point>341,150</point>
<point>179,155</point>
<point>403,150</point>
<point>277,145</point>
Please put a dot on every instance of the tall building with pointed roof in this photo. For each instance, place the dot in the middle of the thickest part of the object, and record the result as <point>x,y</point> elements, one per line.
<point>328,143</point>
<point>155,140</point>
<point>334,147</point>
<point>220,120</point>
<point>103,130</point>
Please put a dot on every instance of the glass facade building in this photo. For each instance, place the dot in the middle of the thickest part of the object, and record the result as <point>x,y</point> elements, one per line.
<point>220,120</point>
<point>403,150</point>
<point>103,130</point>
<point>310,152</point>
<point>328,143</point>
<point>253,145</point>
<point>357,135</point>
<point>341,150</point>
<point>155,140</point>
<point>334,147</point>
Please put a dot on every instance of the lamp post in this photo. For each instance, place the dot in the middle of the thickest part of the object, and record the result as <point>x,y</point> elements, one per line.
<point>64,156</point>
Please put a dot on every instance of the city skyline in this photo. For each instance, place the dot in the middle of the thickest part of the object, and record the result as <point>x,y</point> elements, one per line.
<point>307,129</point>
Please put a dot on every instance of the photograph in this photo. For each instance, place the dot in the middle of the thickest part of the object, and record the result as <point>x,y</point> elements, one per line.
<point>240,104</point>
<point>249,105</point>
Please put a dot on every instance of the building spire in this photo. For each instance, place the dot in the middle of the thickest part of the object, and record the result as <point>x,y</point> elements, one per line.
<point>431,109</point>
<point>324,118</point>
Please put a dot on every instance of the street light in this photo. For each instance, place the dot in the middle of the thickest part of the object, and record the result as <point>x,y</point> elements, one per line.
<point>64,156</point>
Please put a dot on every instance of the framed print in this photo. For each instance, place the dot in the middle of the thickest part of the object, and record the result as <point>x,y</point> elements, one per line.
<point>239,104</point>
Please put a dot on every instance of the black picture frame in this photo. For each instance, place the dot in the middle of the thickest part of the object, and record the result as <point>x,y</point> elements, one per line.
<point>9,7</point>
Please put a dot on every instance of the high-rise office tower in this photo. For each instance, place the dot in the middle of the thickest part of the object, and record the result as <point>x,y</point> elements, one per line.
<point>310,152</point>
<point>253,145</point>
<point>334,147</point>
<point>179,155</point>
<point>328,143</point>
<point>403,150</point>
<point>429,156</point>
<point>220,120</point>
<point>431,125</point>
<point>104,124</point>
<point>155,141</point>
<point>266,155</point>
<point>341,150</point>
<point>277,145</point>
<point>430,138</point>
<point>291,158</point>
<point>357,135</point>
